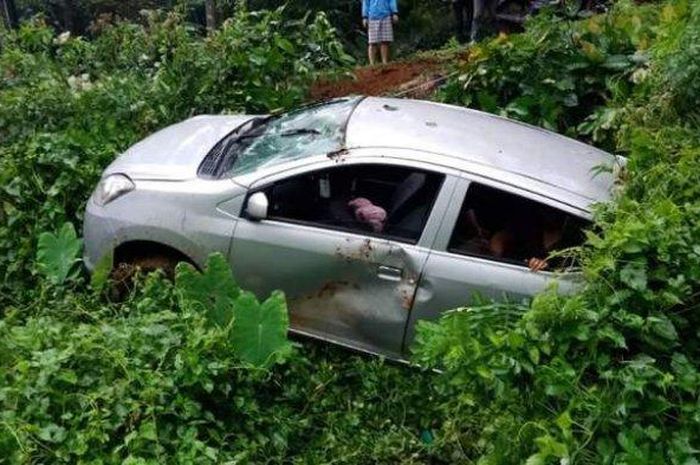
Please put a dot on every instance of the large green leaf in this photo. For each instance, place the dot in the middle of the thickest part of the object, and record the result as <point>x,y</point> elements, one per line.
<point>213,290</point>
<point>57,254</point>
<point>259,332</point>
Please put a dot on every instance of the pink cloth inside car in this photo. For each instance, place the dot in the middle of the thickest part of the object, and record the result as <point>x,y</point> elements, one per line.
<point>368,213</point>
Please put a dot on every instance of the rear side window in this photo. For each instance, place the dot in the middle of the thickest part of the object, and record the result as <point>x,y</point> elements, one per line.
<point>387,201</point>
<point>505,227</point>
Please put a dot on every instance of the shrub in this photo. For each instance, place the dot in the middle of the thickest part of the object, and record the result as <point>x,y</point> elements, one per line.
<point>561,74</point>
<point>153,381</point>
<point>609,375</point>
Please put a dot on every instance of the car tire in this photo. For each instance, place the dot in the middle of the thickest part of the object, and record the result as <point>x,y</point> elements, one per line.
<point>123,273</point>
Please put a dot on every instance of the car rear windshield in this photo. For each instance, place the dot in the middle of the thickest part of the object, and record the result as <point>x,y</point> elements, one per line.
<point>313,130</point>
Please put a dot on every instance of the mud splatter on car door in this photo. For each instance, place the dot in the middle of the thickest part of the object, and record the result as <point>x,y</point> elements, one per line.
<point>341,287</point>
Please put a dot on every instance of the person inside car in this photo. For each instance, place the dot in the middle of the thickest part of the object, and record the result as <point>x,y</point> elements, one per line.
<point>530,237</point>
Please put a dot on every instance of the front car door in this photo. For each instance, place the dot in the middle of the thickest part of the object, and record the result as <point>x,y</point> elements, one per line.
<point>453,275</point>
<point>346,281</point>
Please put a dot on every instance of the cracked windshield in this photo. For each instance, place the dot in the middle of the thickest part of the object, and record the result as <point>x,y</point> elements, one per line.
<point>310,131</point>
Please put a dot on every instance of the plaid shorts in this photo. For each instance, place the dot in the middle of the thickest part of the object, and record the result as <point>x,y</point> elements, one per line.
<point>380,30</point>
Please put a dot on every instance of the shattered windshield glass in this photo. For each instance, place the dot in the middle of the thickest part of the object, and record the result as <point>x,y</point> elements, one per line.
<point>309,131</point>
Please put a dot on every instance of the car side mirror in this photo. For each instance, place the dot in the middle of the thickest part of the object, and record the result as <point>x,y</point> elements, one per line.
<point>257,205</point>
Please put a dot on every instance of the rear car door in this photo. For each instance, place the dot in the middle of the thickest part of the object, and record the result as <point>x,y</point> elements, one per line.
<point>346,281</point>
<point>454,275</point>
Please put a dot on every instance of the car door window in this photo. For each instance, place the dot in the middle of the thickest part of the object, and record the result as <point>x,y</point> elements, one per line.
<point>383,200</point>
<point>501,226</point>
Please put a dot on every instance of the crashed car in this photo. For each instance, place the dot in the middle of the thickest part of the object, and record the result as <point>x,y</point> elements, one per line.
<point>369,213</point>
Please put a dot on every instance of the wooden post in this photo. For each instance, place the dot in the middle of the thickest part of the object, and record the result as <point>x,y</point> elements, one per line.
<point>210,10</point>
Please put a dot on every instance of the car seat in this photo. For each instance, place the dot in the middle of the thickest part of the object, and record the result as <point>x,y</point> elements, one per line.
<point>406,213</point>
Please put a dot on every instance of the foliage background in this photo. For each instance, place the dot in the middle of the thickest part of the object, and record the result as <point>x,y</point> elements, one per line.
<point>424,24</point>
<point>607,376</point>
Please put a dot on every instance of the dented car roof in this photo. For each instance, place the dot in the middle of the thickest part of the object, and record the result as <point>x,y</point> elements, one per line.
<point>476,141</point>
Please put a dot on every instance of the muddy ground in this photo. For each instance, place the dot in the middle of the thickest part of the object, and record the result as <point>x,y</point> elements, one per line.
<point>416,78</point>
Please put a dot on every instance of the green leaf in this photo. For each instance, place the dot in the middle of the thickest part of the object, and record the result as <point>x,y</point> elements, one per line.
<point>536,459</point>
<point>285,45</point>
<point>52,433</point>
<point>259,332</point>
<point>213,291</point>
<point>58,253</point>
<point>100,275</point>
<point>571,100</point>
<point>487,101</point>
<point>148,431</point>
<point>634,275</point>
<point>617,62</point>
<point>551,447</point>
<point>564,423</point>
<point>534,355</point>
<point>662,326</point>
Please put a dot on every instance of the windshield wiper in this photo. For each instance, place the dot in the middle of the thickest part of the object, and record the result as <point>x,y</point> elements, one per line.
<point>250,130</point>
<point>246,136</point>
<point>300,132</point>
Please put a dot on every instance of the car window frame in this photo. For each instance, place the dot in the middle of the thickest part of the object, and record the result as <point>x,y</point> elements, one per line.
<point>264,183</point>
<point>444,236</point>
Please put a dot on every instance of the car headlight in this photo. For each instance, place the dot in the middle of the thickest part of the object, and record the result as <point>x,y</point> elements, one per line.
<point>112,187</point>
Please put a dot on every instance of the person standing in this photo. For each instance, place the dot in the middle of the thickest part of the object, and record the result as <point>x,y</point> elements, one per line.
<point>379,17</point>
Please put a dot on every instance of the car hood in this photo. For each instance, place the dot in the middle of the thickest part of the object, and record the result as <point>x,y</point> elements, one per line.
<point>175,152</point>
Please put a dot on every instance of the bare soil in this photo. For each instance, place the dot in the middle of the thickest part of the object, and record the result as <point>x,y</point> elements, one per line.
<point>417,78</point>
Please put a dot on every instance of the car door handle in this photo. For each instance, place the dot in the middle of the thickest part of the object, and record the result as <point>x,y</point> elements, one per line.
<point>389,273</point>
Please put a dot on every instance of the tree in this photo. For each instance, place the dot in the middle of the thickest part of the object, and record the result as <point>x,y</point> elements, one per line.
<point>68,15</point>
<point>8,13</point>
<point>210,11</point>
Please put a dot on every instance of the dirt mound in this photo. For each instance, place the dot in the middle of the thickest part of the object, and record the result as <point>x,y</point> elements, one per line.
<point>383,80</point>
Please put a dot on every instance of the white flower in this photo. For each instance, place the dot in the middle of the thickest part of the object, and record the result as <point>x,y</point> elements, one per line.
<point>62,38</point>
<point>639,75</point>
<point>80,83</point>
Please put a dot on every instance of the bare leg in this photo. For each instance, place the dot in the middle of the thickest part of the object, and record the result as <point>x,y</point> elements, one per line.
<point>372,53</point>
<point>384,48</point>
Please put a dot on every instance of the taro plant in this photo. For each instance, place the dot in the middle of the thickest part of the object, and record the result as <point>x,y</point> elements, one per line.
<point>258,332</point>
<point>57,254</point>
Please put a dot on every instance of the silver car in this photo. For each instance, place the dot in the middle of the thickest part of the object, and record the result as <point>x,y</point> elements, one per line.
<point>369,213</point>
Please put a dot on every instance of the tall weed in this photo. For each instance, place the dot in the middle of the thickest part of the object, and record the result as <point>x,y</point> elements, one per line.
<point>609,375</point>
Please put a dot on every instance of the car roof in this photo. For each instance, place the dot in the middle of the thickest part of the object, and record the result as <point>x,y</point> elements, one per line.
<point>525,156</point>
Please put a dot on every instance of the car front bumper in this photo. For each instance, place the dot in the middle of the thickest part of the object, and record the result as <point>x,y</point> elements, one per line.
<point>99,234</point>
